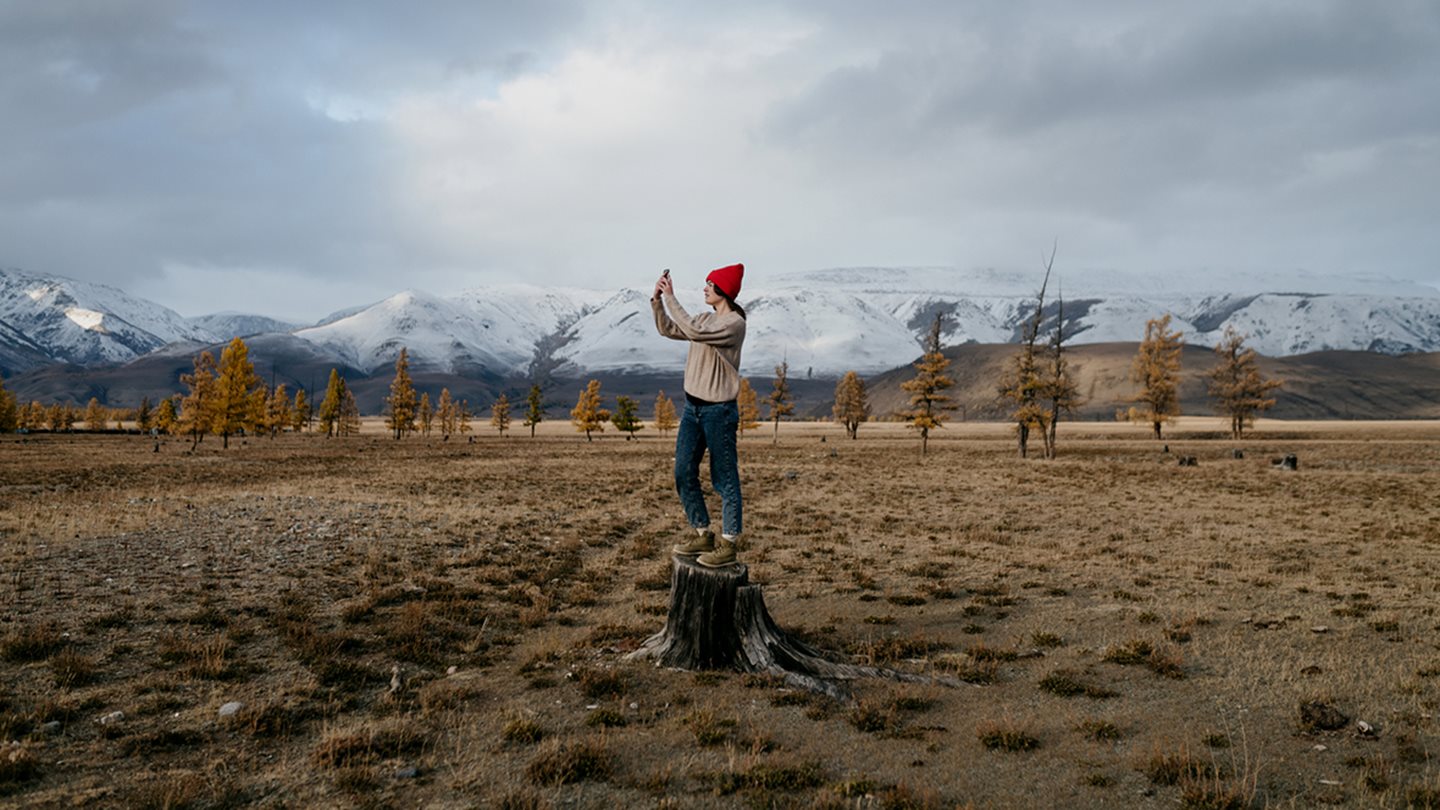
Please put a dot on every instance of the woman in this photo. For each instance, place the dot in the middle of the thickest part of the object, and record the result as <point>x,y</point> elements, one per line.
<point>712,381</point>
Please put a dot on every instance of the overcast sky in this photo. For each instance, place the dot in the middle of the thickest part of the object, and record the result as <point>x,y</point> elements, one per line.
<point>293,158</point>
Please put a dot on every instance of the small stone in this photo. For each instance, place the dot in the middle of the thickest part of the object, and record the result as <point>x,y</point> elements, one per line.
<point>1319,628</point>
<point>1319,747</point>
<point>112,718</point>
<point>407,773</point>
<point>52,727</point>
<point>452,670</point>
<point>1330,782</point>
<point>231,709</point>
<point>1364,729</point>
<point>634,706</point>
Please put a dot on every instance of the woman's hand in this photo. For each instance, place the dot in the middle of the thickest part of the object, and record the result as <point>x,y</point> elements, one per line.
<point>664,286</point>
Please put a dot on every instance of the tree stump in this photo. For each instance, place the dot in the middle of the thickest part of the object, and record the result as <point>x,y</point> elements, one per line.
<point>1289,462</point>
<point>718,620</point>
<point>1237,453</point>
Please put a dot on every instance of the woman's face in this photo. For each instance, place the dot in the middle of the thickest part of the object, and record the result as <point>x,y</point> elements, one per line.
<point>712,298</point>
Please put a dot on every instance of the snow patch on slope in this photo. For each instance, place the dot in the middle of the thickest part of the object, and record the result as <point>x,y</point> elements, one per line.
<point>87,324</point>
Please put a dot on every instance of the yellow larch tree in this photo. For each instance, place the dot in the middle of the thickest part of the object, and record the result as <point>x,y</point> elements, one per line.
<point>587,415</point>
<point>500,414</point>
<point>334,400</point>
<point>665,419</point>
<point>1157,370</point>
<point>1240,391</point>
<point>197,409</point>
<point>236,405</point>
<point>927,404</point>
<point>747,402</point>
<point>852,407</point>
<point>401,404</point>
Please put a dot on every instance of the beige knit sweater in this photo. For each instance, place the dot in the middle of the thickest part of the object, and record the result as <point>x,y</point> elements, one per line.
<point>712,371</point>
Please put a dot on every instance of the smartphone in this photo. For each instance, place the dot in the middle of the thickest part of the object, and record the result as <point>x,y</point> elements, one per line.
<point>666,274</point>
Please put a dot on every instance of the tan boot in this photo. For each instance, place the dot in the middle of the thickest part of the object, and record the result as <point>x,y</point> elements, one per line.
<point>723,555</point>
<point>699,544</point>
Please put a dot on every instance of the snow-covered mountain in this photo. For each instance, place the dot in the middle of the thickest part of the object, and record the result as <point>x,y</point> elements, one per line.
<point>497,328</point>
<point>822,323</point>
<point>226,325</point>
<point>86,324</point>
<point>872,319</point>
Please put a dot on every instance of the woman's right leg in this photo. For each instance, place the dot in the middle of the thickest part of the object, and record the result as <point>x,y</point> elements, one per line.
<point>689,450</point>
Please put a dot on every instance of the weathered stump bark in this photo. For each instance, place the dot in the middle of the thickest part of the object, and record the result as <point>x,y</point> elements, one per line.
<point>718,620</point>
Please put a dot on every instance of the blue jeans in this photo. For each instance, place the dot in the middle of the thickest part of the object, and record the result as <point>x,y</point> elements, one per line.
<point>709,427</point>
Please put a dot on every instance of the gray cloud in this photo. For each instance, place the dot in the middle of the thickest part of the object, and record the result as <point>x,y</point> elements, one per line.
<point>191,150</point>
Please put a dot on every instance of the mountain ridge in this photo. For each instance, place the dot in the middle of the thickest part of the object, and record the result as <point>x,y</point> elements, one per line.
<point>822,323</point>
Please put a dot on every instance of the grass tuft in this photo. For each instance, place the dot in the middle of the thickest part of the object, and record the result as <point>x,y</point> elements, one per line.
<point>34,642</point>
<point>522,731</point>
<point>1171,767</point>
<point>1066,683</point>
<point>768,777</point>
<point>358,746</point>
<point>1100,730</point>
<point>522,800</point>
<point>1164,661</point>
<point>710,730</point>
<point>18,764</point>
<point>71,669</point>
<point>598,684</point>
<point>1042,639</point>
<point>968,670</point>
<point>570,763</point>
<point>1213,794</point>
<point>1006,736</point>
<point>605,718</point>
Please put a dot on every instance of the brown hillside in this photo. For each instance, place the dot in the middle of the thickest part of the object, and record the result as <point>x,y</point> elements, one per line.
<point>1322,385</point>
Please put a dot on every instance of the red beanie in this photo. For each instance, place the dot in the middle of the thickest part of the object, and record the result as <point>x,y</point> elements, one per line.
<point>727,279</point>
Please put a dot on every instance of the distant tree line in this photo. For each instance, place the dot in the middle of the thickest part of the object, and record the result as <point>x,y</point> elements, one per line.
<point>229,398</point>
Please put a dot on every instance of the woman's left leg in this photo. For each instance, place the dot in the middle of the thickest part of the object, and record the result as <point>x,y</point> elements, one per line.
<point>720,423</point>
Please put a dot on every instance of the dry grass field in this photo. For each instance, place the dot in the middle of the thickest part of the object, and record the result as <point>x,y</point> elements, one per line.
<point>433,624</point>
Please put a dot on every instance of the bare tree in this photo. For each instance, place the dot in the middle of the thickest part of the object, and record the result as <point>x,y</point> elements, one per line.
<point>1022,384</point>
